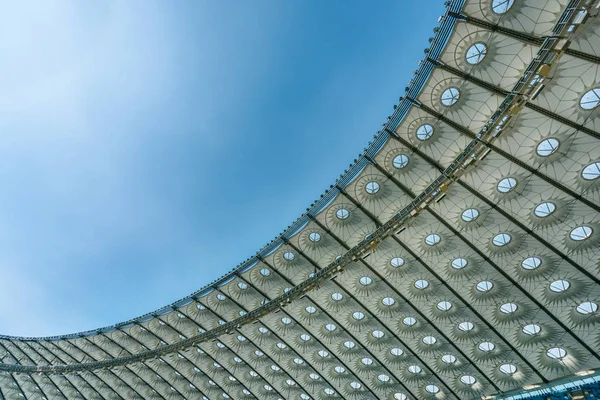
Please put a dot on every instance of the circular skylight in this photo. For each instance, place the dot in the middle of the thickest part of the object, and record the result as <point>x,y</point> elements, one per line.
<point>328,391</point>
<point>372,187</point>
<point>547,147</point>
<point>311,309</point>
<point>339,369</point>
<point>314,236</point>
<point>313,376</point>
<point>383,378</point>
<point>581,233</point>
<point>484,286</point>
<point>501,6</point>
<point>330,327</point>
<point>265,272</point>
<point>357,315</point>
<point>400,161</point>
<point>444,305</point>
<point>429,340</point>
<point>355,385</point>
<point>467,379</point>
<point>590,99</point>
<point>591,171</point>
<point>501,239</point>
<point>508,308</point>
<point>432,239</point>
<point>559,286</point>
<point>342,213</point>
<point>486,346</point>
<point>365,280</point>
<point>544,209</point>
<point>388,301</point>
<point>466,326</point>
<point>469,215</point>
<point>305,337</point>
<point>506,185</point>
<point>432,389</point>
<point>242,285</point>
<point>367,361</point>
<point>531,263</point>
<point>337,296</point>
<point>221,297</point>
<point>298,361</point>
<point>532,329</point>
<point>424,132</point>
<point>459,263</point>
<point>286,320</point>
<point>409,321</point>
<point>349,344</point>
<point>448,359</point>
<point>397,262</point>
<point>558,353</point>
<point>421,284</point>
<point>508,369</point>
<point>450,96</point>
<point>476,53</point>
<point>396,351</point>
<point>289,256</point>
<point>377,334</point>
<point>414,369</point>
<point>400,396</point>
<point>587,307</point>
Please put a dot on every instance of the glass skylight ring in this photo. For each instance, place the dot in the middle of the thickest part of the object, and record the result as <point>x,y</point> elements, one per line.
<point>450,96</point>
<point>372,187</point>
<point>591,171</point>
<point>547,147</point>
<point>580,233</point>
<point>342,213</point>
<point>470,214</point>
<point>501,6</point>
<point>400,161</point>
<point>544,209</point>
<point>424,132</point>
<point>506,185</point>
<point>590,99</point>
<point>476,53</point>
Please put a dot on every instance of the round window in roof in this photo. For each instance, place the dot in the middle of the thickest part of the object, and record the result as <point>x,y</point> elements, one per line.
<point>467,379</point>
<point>476,53</point>
<point>424,132</point>
<point>281,346</point>
<point>304,396</point>
<point>450,96</point>
<point>263,330</point>
<point>259,353</point>
<point>265,272</point>
<point>432,389</point>
<point>581,233</point>
<point>508,308</point>
<point>339,369</point>
<point>365,281</point>
<point>275,368</point>
<point>400,396</point>
<point>421,284</point>
<point>400,161</point>
<point>508,369</point>
<point>290,382</point>
<point>590,99</point>
<point>388,301</point>
<point>432,239</point>
<point>444,305</point>
<point>559,286</point>
<point>531,263</point>
<point>409,321</point>
<point>532,329</point>
<point>323,353</point>
<point>372,187</point>
<point>313,376</point>
<point>355,385</point>
<point>377,334</point>
<point>289,256</point>
<point>459,263</point>
<point>221,297</point>
<point>366,361</point>
<point>328,391</point>
<point>547,147</point>
<point>396,351</point>
<point>506,185</point>
<point>466,326</point>
<point>314,236</point>
<point>383,378</point>
<point>486,347</point>
<point>448,359</point>
<point>501,6</point>
<point>342,213</point>
<point>305,337</point>
<point>429,340</point>
<point>242,285</point>
<point>501,239</point>
<point>337,296</point>
<point>587,307</point>
<point>469,215</point>
<point>397,262</point>
<point>311,309</point>
<point>349,344</point>
<point>484,286</point>
<point>544,209</point>
<point>286,320</point>
<point>298,361</point>
<point>591,171</point>
<point>330,327</point>
<point>414,369</point>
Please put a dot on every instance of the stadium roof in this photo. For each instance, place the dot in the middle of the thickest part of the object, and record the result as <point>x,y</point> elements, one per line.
<point>458,257</point>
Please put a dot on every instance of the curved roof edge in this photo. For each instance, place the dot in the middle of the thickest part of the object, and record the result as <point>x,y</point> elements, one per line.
<point>438,43</point>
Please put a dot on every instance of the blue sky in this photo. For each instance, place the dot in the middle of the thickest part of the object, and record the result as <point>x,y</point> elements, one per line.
<point>149,147</point>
